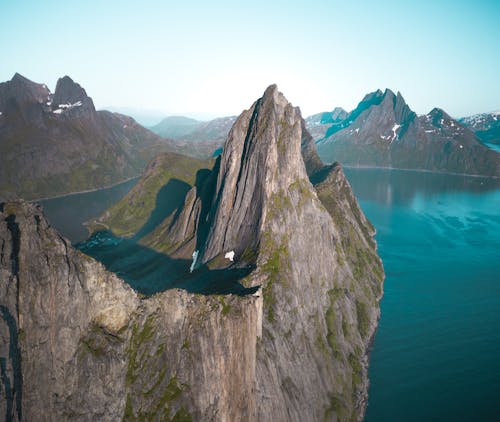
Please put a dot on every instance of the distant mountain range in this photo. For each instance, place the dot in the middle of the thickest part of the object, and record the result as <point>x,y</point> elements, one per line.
<point>144,117</point>
<point>486,126</point>
<point>382,131</point>
<point>194,137</point>
<point>57,143</point>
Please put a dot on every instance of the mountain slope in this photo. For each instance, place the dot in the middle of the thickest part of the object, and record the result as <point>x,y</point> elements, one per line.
<point>486,126</point>
<point>195,138</point>
<point>383,131</point>
<point>175,126</point>
<point>52,144</point>
<point>295,225</point>
<point>77,343</point>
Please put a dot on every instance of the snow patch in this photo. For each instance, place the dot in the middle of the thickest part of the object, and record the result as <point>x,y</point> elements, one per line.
<point>357,130</point>
<point>461,146</point>
<point>58,111</point>
<point>68,105</point>
<point>195,257</point>
<point>229,255</point>
<point>394,129</point>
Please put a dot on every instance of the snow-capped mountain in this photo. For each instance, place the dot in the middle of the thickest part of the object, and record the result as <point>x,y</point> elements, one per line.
<point>486,126</point>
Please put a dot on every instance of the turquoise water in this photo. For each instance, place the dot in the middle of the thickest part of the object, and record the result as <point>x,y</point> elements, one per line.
<point>436,354</point>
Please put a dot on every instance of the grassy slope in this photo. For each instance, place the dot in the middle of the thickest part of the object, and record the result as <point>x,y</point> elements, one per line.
<point>127,216</point>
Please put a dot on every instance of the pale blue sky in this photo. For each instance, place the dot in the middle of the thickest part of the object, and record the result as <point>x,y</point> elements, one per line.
<point>219,56</point>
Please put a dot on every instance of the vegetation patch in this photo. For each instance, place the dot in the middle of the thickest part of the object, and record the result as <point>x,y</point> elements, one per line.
<point>127,216</point>
<point>363,318</point>
<point>276,263</point>
<point>336,408</point>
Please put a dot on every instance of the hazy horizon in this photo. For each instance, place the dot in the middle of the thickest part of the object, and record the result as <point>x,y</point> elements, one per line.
<point>215,59</point>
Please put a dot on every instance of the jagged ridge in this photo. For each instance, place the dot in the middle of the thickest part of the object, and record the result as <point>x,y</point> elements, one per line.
<point>384,132</point>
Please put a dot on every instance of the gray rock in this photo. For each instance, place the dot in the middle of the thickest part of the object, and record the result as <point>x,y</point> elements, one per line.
<point>78,343</point>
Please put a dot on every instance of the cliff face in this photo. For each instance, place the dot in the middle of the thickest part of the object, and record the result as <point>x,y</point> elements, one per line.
<point>51,144</point>
<point>383,131</point>
<point>77,343</point>
<point>320,307</point>
<point>296,349</point>
<point>270,201</point>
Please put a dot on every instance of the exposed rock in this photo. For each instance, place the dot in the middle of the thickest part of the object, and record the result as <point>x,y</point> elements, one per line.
<point>383,132</point>
<point>295,350</point>
<point>76,343</point>
<point>313,254</point>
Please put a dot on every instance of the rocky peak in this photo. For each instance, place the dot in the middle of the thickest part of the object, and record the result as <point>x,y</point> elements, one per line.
<point>439,117</point>
<point>264,142</point>
<point>402,111</point>
<point>23,92</point>
<point>70,96</point>
<point>338,114</point>
<point>374,98</point>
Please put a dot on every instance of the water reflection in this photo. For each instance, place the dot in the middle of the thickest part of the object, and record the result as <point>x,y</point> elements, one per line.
<point>403,186</point>
<point>68,213</point>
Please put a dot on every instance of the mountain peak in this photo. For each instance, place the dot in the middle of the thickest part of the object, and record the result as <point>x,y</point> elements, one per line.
<point>69,94</point>
<point>19,78</point>
<point>262,156</point>
<point>389,92</point>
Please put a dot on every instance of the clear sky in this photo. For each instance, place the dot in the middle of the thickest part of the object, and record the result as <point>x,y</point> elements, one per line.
<point>219,56</point>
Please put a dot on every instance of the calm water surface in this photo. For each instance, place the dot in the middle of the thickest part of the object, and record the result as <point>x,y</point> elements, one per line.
<point>436,355</point>
<point>68,213</point>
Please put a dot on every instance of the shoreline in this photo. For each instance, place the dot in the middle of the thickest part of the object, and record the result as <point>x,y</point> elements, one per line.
<point>84,191</point>
<point>482,176</point>
<point>362,167</point>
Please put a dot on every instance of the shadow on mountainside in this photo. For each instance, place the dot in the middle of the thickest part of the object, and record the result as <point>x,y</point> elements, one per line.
<point>169,198</point>
<point>150,272</point>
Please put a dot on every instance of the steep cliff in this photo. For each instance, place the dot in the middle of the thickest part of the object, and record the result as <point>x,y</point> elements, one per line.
<point>268,212</point>
<point>76,343</point>
<point>315,259</point>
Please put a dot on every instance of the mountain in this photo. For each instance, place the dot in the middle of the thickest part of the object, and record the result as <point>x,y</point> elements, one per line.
<point>145,117</point>
<point>77,343</point>
<point>270,208</point>
<point>318,124</point>
<point>176,126</point>
<point>195,138</point>
<point>384,132</point>
<point>52,144</point>
<point>486,126</point>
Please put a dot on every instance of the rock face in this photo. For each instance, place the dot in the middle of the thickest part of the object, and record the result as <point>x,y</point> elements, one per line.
<point>383,132</point>
<point>296,350</point>
<point>51,144</point>
<point>76,343</point>
<point>271,202</point>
